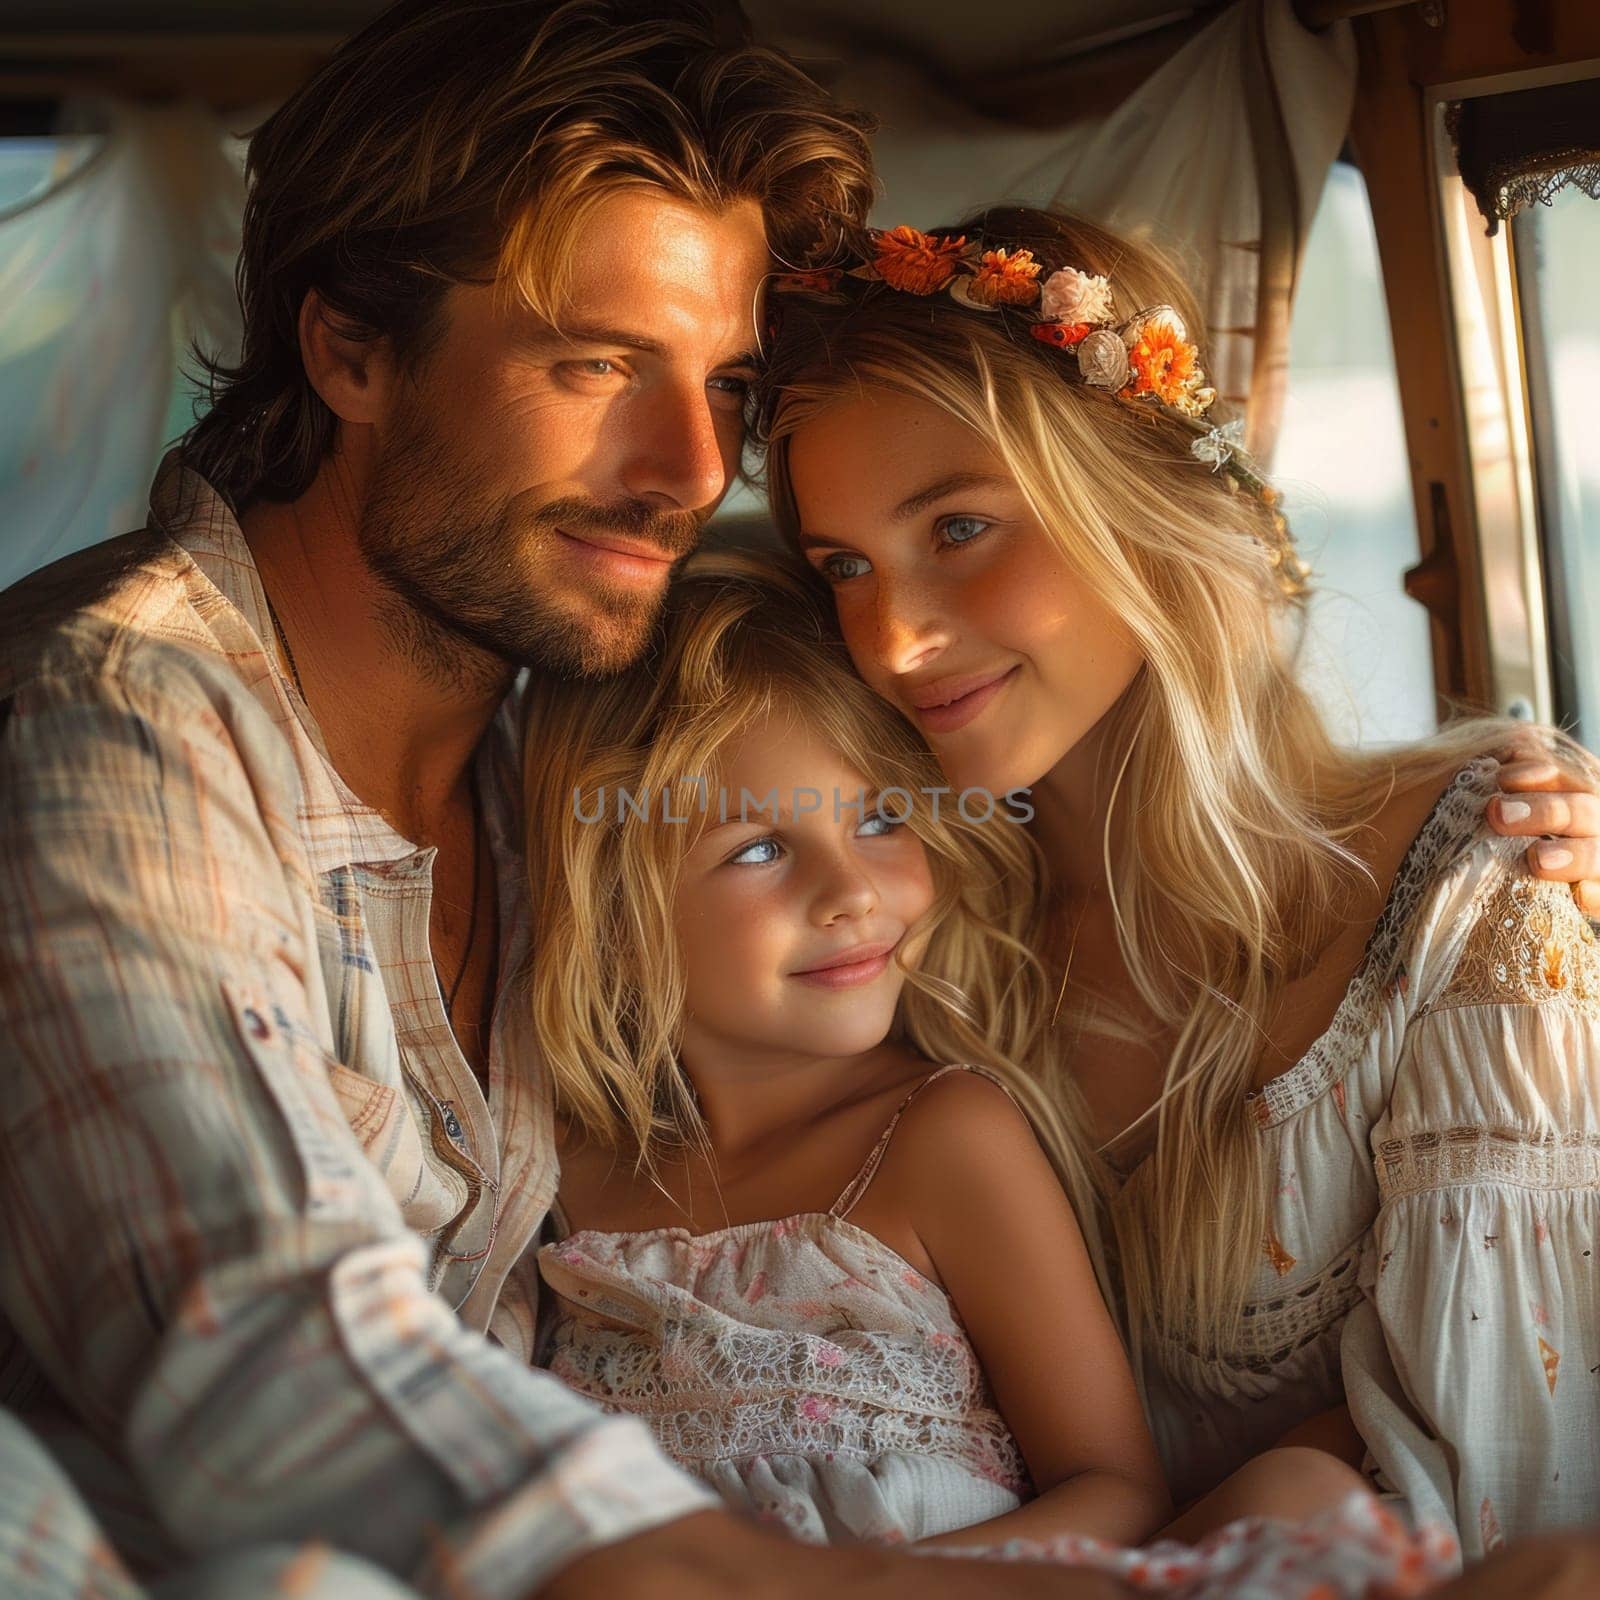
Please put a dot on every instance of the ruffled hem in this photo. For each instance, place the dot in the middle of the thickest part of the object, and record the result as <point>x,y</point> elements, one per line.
<point>1352,1550</point>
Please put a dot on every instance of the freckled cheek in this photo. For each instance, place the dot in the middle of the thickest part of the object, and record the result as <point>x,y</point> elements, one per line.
<point>856,623</point>
<point>907,887</point>
<point>741,936</point>
<point>1018,604</point>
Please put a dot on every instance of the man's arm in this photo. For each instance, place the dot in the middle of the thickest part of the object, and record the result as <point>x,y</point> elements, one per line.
<point>192,1244</point>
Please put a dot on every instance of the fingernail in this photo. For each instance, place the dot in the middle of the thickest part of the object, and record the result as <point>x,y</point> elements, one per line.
<point>1515,810</point>
<point>1554,855</point>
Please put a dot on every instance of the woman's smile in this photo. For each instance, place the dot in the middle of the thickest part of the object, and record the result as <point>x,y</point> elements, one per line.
<point>952,703</point>
<point>941,627</point>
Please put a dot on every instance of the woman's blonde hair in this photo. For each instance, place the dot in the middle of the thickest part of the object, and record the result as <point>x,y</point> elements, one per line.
<point>743,640</point>
<point>470,141</point>
<point>1230,811</point>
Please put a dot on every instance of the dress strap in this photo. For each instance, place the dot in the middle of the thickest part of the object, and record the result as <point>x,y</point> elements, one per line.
<point>858,1185</point>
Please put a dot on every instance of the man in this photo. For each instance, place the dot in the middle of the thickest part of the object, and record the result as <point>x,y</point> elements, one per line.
<point>275,1141</point>
<point>274,1117</point>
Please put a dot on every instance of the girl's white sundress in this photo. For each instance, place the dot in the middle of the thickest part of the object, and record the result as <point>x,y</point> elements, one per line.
<point>816,1379</point>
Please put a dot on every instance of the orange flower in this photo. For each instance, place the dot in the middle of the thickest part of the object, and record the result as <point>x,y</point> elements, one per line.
<point>818,280</point>
<point>1063,335</point>
<point>1005,280</point>
<point>1164,363</point>
<point>917,263</point>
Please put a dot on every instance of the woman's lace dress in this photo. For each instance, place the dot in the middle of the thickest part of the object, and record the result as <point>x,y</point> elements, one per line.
<point>1434,1249</point>
<point>816,1379</point>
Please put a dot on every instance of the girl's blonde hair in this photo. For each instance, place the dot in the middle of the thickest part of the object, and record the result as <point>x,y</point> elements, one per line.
<point>1231,813</point>
<point>741,641</point>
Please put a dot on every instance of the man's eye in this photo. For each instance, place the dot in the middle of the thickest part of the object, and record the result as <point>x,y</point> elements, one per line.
<point>837,568</point>
<point>597,367</point>
<point>962,530</point>
<point>752,854</point>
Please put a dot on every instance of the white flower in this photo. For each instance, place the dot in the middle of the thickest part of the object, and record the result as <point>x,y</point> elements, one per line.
<point>1220,445</point>
<point>1103,360</point>
<point>1073,296</point>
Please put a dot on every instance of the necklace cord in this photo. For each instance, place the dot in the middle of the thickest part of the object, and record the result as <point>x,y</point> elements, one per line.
<point>472,914</point>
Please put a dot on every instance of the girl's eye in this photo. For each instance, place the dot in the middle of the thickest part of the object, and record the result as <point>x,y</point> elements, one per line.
<point>839,568</point>
<point>751,856</point>
<point>962,530</point>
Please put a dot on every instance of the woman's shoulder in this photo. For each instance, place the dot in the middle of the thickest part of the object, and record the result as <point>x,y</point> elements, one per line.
<point>1469,923</point>
<point>1433,844</point>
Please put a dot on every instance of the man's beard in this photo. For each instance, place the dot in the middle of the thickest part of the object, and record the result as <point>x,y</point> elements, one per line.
<point>465,569</point>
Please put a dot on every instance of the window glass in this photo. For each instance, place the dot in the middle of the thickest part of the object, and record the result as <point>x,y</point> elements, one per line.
<point>31,167</point>
<point>1342,465</point>
<point>1556,247</point>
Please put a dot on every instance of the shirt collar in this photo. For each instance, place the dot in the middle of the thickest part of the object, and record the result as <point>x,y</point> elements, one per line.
<point>190,512</point>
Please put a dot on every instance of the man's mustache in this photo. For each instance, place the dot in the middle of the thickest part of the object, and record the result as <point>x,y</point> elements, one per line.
<point>675,533</point>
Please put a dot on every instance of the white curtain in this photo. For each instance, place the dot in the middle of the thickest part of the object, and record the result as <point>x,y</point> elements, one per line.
<point>1220,157</point>
<point>105,279</point>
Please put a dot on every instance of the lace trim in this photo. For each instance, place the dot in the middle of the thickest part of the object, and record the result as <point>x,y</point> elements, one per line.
<point>1455,1157</point>
<point>1516,191</point>
<point>1450,827</point>
<point>737,1395</point>
<point>1529,945</point>
<point>1272,1332</point>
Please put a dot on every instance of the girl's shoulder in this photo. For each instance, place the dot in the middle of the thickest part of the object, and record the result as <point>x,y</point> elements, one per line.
<point>954,1101</point>
<point>957,1129</point>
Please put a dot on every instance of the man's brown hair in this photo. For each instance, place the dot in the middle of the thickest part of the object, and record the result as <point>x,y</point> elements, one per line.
<point>456,141</point>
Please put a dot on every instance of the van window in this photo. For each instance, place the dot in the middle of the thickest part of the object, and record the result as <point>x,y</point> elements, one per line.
<point>1342,465</point>
<point>1555,248</point>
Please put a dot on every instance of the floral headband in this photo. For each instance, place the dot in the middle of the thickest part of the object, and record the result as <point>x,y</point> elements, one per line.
<point>1146,358</point>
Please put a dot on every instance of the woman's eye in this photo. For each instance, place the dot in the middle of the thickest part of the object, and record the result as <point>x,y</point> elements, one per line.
<point>962,530</point>
<point>838,568</point>
<point>738,387</point>
<point>758,853</point>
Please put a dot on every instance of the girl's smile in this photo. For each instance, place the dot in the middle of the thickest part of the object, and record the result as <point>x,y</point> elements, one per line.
<point>858,964</point>
<point>793,924</point>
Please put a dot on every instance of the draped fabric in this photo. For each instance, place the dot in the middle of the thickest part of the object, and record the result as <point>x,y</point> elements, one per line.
<point>1518,150</point>
<point>105,279</point>
<point>108,277</point>
<point>1219,157</point>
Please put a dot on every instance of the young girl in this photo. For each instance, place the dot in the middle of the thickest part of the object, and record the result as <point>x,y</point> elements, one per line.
<point>841,1278</point>
<point>1343,1048</point>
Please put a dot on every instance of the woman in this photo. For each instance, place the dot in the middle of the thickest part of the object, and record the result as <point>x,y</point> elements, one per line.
<point>1337,1048</point>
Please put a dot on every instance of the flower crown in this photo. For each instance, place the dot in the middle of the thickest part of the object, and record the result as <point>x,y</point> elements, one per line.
<point>1146,358</point>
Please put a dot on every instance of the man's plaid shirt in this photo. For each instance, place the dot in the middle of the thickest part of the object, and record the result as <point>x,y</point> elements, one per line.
<point>264,1264</point>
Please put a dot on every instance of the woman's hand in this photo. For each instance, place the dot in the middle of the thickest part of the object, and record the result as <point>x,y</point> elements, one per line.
<point>1559,809</point>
